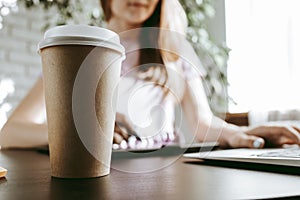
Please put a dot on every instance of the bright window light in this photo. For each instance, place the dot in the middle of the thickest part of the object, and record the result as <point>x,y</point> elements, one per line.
<point>6,88</point>
<point>264,65</point>
<point>6,6</point>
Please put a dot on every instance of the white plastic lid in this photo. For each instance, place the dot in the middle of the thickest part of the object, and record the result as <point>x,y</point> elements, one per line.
<point>81,35</point>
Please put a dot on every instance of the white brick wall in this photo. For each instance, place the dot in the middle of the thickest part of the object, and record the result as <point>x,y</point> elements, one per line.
<point>19,60</point>
<point>19,37</point>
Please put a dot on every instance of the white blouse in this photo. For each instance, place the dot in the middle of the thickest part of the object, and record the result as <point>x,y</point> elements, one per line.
<point>144,104</point>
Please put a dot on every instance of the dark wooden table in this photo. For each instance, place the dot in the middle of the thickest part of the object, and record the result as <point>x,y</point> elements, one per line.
<point>166,177</point>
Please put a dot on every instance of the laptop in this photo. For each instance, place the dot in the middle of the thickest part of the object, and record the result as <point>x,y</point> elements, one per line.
<point>289,156</point>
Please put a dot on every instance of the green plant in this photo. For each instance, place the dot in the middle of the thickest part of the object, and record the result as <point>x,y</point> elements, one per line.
<point>68,12</point>
<point>213,56</point>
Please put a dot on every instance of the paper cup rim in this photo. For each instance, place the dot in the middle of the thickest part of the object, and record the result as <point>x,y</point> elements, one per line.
<point>77,40</point>
<point>81,35</point>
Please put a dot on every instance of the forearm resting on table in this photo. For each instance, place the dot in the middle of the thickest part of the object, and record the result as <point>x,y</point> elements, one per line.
<point>215,129</point>
<point>23,134</point>
<point>204,125</point>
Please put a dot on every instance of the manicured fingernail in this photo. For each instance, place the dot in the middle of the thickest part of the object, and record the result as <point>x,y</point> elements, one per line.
<point>150,142</point>
<point>171,137</point>
<point>115,146</point>
<point>165,137</point>
<point>142,144</point>
<point>123,144</point>
<point>135,135</point>
<point>157,139</point>
<point>132,142</point>
<point>257,143</point>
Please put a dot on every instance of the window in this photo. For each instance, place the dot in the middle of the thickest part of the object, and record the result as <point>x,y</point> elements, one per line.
<point>264,63</point>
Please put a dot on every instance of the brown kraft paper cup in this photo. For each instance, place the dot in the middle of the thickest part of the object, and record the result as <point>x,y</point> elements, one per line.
<point>77,148</point>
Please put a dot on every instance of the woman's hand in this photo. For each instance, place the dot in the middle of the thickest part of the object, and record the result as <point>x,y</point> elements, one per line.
<point>265,136</point>
<point>123,129</point>
<point>276,136</point>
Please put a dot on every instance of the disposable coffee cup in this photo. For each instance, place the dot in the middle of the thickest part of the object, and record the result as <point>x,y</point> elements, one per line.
<point>81,69</point>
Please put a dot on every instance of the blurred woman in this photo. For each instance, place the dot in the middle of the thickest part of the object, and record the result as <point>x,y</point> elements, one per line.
<point>155,79</point>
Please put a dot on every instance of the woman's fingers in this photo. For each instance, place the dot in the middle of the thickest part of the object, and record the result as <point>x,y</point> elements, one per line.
<point>125,123</point>
<point>252,141</point>
<point>243,140</point>
<point>290,133</point>
<point>117,139</point>
<point>297,129</point>
<point>122,121</point>
<point>121,131</point>
<point>277,135</point>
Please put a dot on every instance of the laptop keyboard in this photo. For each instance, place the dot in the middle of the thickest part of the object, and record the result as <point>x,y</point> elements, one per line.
<point>288,153</point>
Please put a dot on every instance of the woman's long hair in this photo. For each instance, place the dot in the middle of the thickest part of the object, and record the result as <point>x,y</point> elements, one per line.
<point>154,59</point>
